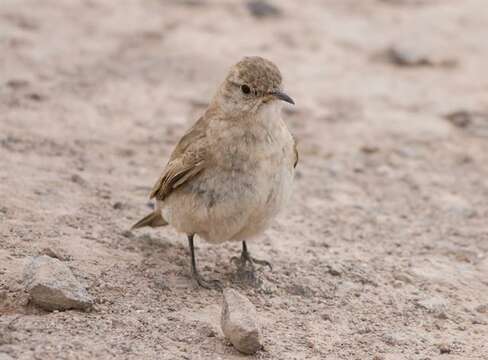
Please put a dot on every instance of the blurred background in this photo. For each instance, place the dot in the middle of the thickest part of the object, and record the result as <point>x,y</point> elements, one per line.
<point>382,253</point>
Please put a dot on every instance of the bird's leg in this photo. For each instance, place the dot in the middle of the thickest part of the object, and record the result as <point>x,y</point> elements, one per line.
<point>207,284</point>
<point>246,258</point>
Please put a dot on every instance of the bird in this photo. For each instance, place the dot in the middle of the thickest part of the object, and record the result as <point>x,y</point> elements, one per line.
<point>232,172</point>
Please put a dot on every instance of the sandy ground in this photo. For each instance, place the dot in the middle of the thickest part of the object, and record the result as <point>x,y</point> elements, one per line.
<point>381,255</point>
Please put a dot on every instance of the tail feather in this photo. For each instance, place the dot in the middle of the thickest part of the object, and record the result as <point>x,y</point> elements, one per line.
<point>154,219</point>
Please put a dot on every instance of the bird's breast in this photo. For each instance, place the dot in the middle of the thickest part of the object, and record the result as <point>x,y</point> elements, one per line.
<point>255,164</point>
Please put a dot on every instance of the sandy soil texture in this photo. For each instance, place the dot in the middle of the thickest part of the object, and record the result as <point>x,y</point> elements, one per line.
<point>381,255</point>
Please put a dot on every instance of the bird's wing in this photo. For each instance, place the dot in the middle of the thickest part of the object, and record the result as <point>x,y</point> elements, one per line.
<point>186,161</point>
<point>295,162</point>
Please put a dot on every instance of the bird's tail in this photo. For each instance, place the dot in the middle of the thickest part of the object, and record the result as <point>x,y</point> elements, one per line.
<point>154,219</point>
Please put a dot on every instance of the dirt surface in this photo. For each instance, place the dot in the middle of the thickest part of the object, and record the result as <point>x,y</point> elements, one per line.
<point>382,253</point>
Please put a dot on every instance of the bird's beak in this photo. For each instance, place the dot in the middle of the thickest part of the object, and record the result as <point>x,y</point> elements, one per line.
<point>282,96</point>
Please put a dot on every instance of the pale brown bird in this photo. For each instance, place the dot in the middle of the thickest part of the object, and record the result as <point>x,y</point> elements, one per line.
<point>232,172</point>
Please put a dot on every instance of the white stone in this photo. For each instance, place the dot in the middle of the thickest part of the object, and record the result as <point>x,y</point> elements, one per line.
<point>239,322</point>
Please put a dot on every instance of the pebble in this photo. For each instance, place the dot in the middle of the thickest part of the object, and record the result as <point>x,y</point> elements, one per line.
<point>49,251</point>
<point>17,84</point>
<point>461,118</point>
<point>472,121</point>
<point>334,269</point>
<point>78,179</point>
<point>435,305</point>
<point>399,276</point>
<point>118,205</point>
<point>239,322</point>
<point>52,286</point>
<point>482,309</point>
<point>410,55</point>
<point>262,9</point>
<point>444,348</point>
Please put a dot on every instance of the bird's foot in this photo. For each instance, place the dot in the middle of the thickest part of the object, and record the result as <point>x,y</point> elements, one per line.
<point>245,267</point>
<point>207,284</point>
<point>247,259</point>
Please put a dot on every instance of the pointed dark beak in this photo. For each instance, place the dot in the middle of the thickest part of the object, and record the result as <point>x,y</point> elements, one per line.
<point>282,96</point>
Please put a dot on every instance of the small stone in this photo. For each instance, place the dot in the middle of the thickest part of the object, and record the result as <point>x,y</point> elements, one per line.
<point>476,320</point>
<point>118,205</point>
<point>128,234</point>
<point>407,57</point>
<point>482,309</point>
<point>78,179</point>
<point>192,2</point>
<point>17,84</point>
<point>300,290</point>
<point>461,118</point>
<point>399,276</point>
<point>36,97</point>
<point>435,305</point>
<point>455,205</point>
<point>239,322</point>
<point>444,348</point>
<point>397,284</point>
<point>52,286</point>
<point>413,54</point>
<point>394,339</point>
<point>6,336</point>
<point>262,9</point>
<point>472,121</point>
<point>334,269</point>
<point>326,317</point>
<point>369,149</point>
<point>48,251</point>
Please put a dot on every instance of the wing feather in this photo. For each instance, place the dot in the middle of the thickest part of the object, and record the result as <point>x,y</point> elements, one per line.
<point>295,163</point>
<point>186,161</point>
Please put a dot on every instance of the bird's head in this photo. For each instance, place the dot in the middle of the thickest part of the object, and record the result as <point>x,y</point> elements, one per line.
<point>252,83</point>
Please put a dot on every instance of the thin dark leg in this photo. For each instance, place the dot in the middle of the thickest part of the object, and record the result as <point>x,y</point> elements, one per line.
<point>244,247</point>
<point>192,253</point>
<point>207,284</point>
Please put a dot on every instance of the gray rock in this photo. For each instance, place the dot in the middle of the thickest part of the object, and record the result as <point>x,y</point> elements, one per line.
<point>415,54</point>
<point>461,118</point>
<point>436,305</point>
<point>394,339</point>
<point>444,348</point>
<point>482,309</point>
<point>335,269</point>
<point>52,286</point>
<point>262,9</point>
<point>400,276</point>
<point>239,322</point>
<point>472,121</point>
<point>4,356</point>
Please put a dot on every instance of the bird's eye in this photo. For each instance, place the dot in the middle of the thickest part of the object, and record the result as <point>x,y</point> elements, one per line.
<point>245,89</point>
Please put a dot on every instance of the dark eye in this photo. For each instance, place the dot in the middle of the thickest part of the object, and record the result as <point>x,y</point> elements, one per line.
<point>245,89</point>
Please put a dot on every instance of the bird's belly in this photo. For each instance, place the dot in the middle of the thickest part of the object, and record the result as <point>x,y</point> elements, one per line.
<point>222,205</point>
<point>270,196</point>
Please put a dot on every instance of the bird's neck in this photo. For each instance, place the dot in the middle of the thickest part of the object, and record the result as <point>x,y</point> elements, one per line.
<point>226,110</point>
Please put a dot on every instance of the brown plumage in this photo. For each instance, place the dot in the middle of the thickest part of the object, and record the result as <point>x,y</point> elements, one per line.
<point>231,173</point>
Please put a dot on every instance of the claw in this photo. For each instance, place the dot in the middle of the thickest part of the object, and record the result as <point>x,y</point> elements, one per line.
<point>207,284</point>
<point>246,258</point>
<point>262,263</point>
<point>235,260</point>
